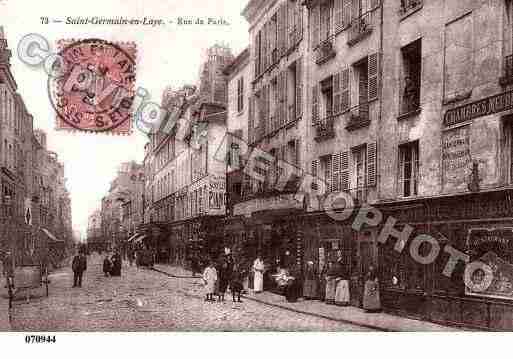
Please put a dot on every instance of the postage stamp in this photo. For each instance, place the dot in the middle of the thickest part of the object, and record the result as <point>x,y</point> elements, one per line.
<point>95,87</point>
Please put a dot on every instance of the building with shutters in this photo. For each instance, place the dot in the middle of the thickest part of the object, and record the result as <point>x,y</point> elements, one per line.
<point>343,129</point>
<point>267,88</point>
<point>446,158</point>
<point>186,184</point>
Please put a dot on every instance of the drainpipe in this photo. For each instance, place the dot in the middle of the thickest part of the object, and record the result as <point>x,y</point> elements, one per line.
<point>380,126</point>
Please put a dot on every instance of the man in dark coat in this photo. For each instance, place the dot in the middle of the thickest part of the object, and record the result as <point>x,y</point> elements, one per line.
<point>79,266</point>
<point>116,265</point>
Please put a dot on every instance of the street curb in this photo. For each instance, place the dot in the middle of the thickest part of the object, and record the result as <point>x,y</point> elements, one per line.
<point>345,321</point>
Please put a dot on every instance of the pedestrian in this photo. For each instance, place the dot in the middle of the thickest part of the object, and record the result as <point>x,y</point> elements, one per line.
<point>195,265</point>
<point>331,282</point>
<point>236,283</point>
<point>310,286</point>
<point>107,265</point>
<point>116,265</point>
<point>79,266</point>
<point>224,276</point>
<point>371,298</point>
<point>210,280</point>
<point>342,296</point>
<point>130,256</point>
<point>258,270</point>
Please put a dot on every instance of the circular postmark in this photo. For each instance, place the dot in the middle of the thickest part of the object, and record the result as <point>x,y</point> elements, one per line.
<point>94,89</point>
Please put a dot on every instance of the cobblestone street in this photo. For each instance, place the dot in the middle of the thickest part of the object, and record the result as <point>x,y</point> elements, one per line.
<point>145,300</point>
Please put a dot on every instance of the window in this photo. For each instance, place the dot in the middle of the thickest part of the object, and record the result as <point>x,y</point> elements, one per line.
<point>410,94</point>
<point>326,163</point>
<point>325,28</point>
<point>360,165</point>
<point>508,147</point>
<point>327,97</point>
<point>409,169</point>
<point>240,94</point>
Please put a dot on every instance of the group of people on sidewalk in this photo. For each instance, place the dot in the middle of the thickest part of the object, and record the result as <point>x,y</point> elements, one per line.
<point>220,275</point>
<point>333,285</point>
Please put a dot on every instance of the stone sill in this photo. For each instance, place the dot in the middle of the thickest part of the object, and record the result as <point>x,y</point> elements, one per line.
<point>410,114</point>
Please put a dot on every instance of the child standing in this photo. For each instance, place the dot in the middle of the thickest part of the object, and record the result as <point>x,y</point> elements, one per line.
<point>210,279</point>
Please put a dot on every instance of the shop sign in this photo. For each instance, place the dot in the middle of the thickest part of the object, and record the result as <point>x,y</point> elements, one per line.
<point>285,201</point>
<point>494,247</point>
<point>456,159</point>
<point>217,192</point>
<point>484,107</point>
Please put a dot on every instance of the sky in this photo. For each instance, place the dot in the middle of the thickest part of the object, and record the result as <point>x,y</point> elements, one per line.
<point>168,55</point>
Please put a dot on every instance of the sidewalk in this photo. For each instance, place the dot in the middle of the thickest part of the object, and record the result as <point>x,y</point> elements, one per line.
<point>350,315</point>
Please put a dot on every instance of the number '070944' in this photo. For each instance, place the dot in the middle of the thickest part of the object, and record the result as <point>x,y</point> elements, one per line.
<point>37,339</point>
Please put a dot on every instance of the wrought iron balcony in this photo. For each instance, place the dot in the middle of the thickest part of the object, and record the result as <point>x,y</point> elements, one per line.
<point>408,6</point>
<point>361,27</point>
<point>324,129</point>
<point>358,117</point>
<point>507,73</point>
<point>325,51</point>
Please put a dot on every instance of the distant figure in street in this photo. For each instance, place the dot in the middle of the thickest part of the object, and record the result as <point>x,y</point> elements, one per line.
<point>107,266</point>
<point>331,283</point>
<point>195,265</point>
<point>371,300</point>
<point>310,285</point>
<point>258,269</point>
<point>210,279</point>
<point>79,266</point>
<point>116,265</point>
<point>236,283</point>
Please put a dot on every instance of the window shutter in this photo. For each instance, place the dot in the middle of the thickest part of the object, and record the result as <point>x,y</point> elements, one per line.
<point>328,173</point>
<point>277,99</point>
<point>285,104</point>
<point>279,30</point>
<point>251,119</point>
<point>338,15</point>
<point>345,90</point>
<point>299,88</point>
<point>346,6</point>
<point>315,26</point>
<point>336,93</point>
<point>297,155</point>
<point>264,47</point>
<point>265,110</point>
<point>315,172</point>
<point>371,164</point>
<point>344,171</point>
<point>299,21</point>
<point>335,164</point>
<point>285,6</point>
<point>291,8</point>
<point>315,104</point>
<point>373,76</point>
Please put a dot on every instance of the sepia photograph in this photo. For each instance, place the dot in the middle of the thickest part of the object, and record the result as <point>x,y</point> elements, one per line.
<point>296,166</point>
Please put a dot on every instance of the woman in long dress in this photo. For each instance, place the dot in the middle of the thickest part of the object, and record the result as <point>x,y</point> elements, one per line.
<point>310,285</point>
<point>258,270</point>
<point>371,299</point>
<point>342,290</point>
<point>210,279</point>
<point>331,283</point>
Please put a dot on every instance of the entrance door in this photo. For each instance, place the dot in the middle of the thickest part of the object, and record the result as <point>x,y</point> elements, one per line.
<point>365,257</point>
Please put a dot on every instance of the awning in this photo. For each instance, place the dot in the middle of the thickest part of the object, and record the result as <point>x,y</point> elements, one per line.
<point>137,238</point>
<point>51,236</point>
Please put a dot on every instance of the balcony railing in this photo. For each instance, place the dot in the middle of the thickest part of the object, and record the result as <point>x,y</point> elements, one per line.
<point>324,129</point>
<point>325,51</point>
<point>358,195</point>
<point>408,6</point>
<point>361,27</point>
<point>358,117</point>
<point>507,73</point>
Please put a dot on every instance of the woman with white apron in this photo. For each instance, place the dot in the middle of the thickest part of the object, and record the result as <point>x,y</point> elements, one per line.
<point>258,269</point>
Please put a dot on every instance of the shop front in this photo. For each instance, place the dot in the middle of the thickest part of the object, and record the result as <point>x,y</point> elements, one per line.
<point>327,239</point>
<point>479,226</point>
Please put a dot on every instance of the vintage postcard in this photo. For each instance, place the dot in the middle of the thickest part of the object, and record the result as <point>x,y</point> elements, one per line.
<point>256,165</point>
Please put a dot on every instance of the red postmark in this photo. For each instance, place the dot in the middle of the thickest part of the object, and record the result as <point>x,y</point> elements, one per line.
<point>95,87</point>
